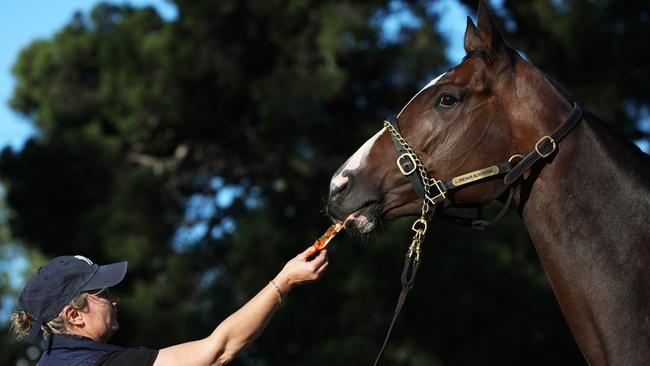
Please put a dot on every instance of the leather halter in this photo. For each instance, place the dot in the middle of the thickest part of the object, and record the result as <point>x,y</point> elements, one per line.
<point>544,147</point>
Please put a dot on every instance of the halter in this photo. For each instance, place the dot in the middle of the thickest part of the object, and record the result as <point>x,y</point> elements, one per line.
<point>409,163</point>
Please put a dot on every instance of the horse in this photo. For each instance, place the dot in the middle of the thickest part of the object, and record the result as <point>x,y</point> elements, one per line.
<point>582,190</point>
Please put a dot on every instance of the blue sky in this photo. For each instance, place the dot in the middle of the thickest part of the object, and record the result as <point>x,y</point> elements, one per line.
<point>22,21</point>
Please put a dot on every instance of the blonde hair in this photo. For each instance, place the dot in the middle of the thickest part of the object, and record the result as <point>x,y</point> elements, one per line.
<point>22,321</point>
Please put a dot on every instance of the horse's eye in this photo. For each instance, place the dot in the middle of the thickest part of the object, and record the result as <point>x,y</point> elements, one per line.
<point>447,100</point>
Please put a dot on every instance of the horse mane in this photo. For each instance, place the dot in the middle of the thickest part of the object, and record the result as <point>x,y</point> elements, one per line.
<point>607,125</point>
<point>564,92</point>
<point>616,132</point>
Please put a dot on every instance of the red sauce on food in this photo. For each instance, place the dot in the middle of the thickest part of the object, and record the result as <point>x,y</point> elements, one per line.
<point>322,242</point>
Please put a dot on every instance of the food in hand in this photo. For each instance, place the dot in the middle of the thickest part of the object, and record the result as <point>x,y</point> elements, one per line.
<point>322,242</point>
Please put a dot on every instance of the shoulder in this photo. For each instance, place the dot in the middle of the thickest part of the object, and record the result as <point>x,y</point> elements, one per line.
<point>73,350</point>
<point>139,356</point>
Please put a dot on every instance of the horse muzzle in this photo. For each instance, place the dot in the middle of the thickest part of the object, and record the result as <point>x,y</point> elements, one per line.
<point>357,206</point>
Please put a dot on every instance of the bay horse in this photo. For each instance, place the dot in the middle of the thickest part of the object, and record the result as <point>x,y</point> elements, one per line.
<point>582,191</point>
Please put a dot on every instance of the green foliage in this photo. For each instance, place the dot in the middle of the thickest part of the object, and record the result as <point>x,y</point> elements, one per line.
<point>147,127</point>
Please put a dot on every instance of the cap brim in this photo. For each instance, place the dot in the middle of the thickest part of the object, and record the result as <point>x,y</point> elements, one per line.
<point>107,276</point>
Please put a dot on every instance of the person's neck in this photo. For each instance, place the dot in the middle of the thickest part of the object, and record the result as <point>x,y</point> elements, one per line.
<point>82,332</point>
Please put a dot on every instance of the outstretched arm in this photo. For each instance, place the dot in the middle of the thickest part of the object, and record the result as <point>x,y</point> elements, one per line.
<point>242,327</point>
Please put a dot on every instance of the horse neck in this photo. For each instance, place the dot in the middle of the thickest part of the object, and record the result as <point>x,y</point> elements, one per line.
<point>586,213</point>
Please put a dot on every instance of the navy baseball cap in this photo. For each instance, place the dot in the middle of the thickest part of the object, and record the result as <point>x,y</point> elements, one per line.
<point>59,281</point>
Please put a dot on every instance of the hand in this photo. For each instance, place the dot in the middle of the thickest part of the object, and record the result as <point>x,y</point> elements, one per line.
<point>301,269</point>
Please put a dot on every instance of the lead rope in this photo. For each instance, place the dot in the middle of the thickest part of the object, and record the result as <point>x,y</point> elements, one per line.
<point>411,263</point>
<point>412,259</point>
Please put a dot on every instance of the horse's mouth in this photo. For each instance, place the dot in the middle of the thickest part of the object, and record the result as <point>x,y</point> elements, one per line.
<point>364,219</point>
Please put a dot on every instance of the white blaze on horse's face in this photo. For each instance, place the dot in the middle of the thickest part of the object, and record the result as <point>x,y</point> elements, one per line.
<point>359,157</point>
<point>355,161</point>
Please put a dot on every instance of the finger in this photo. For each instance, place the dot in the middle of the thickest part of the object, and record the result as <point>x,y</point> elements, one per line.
<point>318,269</point>
<point>318,260</point>
<point>307,253</point>
<point>322,269</point>
<point>325,263</point>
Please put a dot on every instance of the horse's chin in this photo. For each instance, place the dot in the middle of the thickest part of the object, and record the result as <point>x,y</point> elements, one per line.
<point>364,220</point>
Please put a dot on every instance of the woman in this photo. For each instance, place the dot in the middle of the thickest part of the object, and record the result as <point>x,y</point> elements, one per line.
<point>69,300</point>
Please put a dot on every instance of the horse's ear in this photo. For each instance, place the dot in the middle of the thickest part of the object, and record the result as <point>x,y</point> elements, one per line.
<point>473,41</point>
<point>489,29</point>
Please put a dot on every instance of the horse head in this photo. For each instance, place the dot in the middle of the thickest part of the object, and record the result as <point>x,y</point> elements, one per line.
<point>492,106</point>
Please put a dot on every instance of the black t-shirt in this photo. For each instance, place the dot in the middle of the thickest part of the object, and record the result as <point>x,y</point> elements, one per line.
<point>139,356</point>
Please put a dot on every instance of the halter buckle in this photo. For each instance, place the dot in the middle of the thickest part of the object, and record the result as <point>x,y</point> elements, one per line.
<point>412,161</point>
<point>543,140</point>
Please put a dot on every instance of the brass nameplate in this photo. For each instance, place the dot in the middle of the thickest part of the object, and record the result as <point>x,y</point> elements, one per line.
<point>475,175</point>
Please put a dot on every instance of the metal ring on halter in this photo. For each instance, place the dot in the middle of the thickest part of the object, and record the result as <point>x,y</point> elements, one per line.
<point>423,224</point>
<point>441,191</point>
<point>514,157</point>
